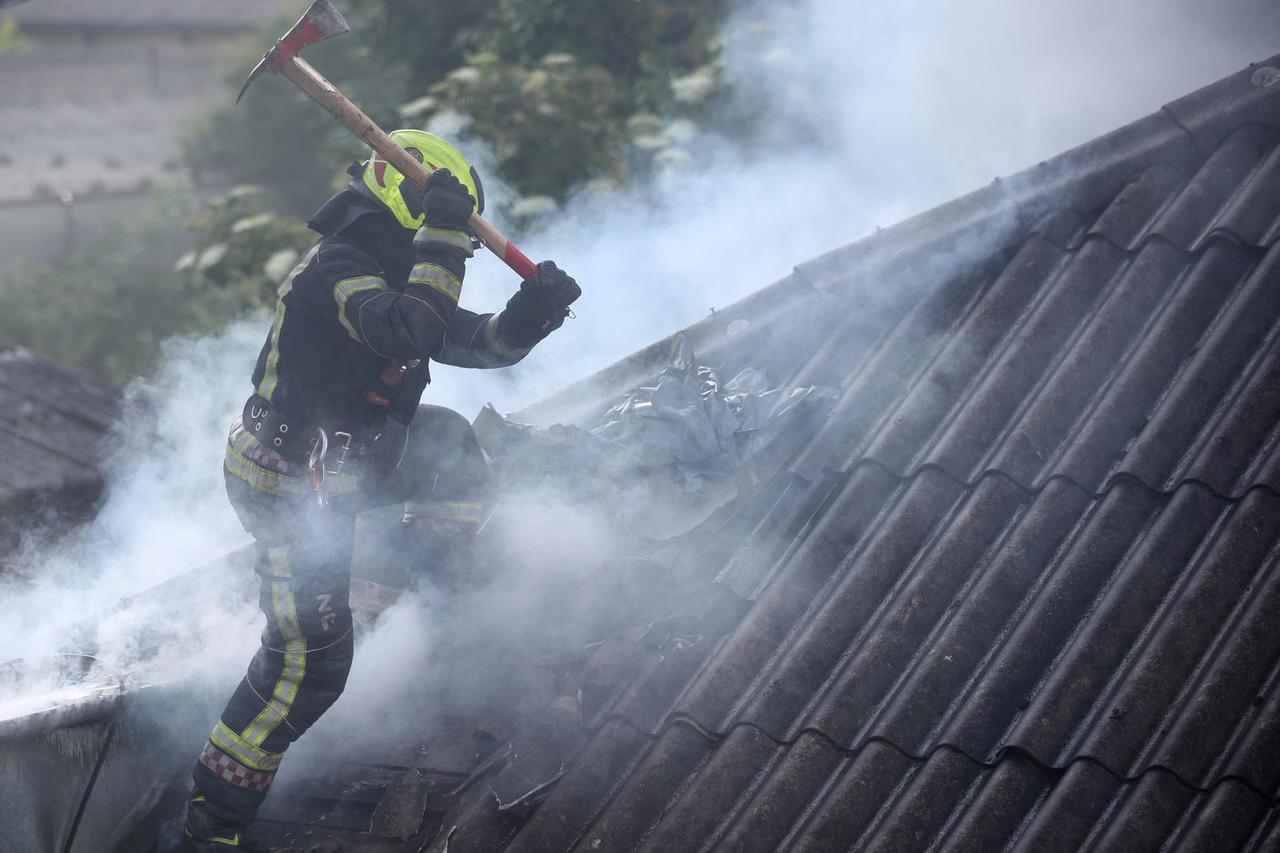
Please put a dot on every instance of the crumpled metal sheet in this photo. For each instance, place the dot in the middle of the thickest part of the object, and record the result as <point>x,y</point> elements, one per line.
<point>689,419</point>
<point>529,453</point>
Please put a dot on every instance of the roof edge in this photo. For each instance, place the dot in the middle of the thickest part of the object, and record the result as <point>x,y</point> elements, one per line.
<point>1250,96</point>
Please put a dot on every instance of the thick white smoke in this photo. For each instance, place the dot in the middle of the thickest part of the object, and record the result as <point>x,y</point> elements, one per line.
<point>164,511</point>
<point>877,110</point>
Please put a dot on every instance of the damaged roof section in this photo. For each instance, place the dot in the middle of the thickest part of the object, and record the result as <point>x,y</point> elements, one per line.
<point>1018,589</point>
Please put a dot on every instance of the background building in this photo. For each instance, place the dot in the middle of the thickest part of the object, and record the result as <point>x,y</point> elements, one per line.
<point>94,100</point>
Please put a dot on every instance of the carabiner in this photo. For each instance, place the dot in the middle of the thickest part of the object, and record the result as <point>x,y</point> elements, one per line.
<point>315,465</point>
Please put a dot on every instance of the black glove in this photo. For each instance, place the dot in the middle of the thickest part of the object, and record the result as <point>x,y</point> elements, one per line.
<point>539,307</point>
<point>446,201</point>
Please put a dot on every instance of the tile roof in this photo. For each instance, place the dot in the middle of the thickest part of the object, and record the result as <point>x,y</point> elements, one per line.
<point>51,424</point>
<point>1020,589</point>
<point>1017,590</point>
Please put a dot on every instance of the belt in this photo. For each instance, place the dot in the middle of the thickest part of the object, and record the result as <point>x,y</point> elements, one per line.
<point>274,431</point>
<point>268,471</point>
<point>294,439</point>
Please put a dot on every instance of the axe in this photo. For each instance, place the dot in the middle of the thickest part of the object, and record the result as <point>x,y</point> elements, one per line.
<point>323,21</point>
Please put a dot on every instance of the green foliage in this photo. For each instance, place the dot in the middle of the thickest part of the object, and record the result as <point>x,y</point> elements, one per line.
<point>426,40</point>
<point>562,91</point>
<point>276,137</point>
<point>522,110</point>
<point>641,44</point>
<point>107,309</point>
<point>242,249</point>
<point>567,91</point>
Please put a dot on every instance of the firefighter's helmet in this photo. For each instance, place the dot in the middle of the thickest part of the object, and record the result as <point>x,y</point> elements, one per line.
<point>386,185</point>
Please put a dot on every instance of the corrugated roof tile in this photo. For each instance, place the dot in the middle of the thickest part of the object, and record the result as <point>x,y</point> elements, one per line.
<point>1019,590</point>
<point>52,423</point>
<point>1213,113</point>
<point>1208,200</point>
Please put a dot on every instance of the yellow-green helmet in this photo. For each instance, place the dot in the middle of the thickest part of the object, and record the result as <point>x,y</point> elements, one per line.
<point>386,184</point>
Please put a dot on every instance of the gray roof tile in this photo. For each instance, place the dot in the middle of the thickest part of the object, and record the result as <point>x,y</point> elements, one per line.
<point>1019,590</point>
<point>52,423</point>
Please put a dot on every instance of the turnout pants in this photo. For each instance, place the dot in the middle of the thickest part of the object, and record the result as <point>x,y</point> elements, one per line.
<point>303,557</point>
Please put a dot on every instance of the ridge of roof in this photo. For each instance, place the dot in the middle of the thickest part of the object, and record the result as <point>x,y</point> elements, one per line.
<point>913,253</point>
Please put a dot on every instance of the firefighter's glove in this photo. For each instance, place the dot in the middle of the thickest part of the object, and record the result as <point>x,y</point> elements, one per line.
<point>443,239</point>
<point>539,307</point>
<point>446,202</point>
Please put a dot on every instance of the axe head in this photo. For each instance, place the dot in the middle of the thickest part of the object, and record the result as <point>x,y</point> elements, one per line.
<point>322,21</point>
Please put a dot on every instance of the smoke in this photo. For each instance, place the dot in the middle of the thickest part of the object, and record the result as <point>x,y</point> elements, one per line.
<point>544,587</point>
<point>875,111</point>
<point>164,511</point>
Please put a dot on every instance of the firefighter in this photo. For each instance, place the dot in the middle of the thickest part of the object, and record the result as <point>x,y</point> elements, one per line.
<point>334,426</point>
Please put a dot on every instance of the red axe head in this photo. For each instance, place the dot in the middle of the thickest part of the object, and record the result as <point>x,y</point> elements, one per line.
<point>321,21</point>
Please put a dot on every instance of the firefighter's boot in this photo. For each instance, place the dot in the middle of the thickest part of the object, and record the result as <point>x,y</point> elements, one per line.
<point>209,830</point>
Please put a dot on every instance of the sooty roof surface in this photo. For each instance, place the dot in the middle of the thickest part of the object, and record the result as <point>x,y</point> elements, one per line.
<point>1016,590</point>
<point>1020,589</point>
<point>51,424</point>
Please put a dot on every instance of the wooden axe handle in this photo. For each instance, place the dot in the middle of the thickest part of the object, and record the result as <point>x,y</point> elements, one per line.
<point>327,95</point>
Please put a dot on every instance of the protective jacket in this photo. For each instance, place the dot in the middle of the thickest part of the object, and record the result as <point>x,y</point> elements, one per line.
<point>357,322</point>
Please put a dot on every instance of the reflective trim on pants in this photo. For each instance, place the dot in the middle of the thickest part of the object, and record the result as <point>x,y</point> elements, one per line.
<point>241,750</point>
<point>285,609</point>
<point>463,512</point>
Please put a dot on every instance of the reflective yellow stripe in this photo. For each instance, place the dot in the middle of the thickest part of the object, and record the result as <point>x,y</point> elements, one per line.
<point>435,276</point>
<point>275,483</point>
<point>467,512</point>
<point>262,479</point>
<point>270,376</point>
<point>453,239</point>
<point>217,839</point>
<point>345,289</point>
<point>243,751</point>
<point>494,344</point>
<point>462,511</point>
<point>335,485</point>
<point>285,610</point>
